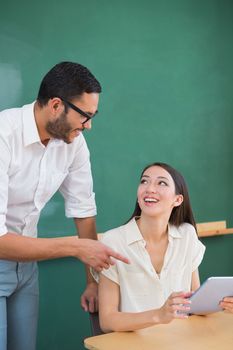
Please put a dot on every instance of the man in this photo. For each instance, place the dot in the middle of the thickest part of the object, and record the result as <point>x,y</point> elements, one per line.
<point>42,149</point>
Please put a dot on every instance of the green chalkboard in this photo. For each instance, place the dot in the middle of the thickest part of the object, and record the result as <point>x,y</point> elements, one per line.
<point>166,70</point>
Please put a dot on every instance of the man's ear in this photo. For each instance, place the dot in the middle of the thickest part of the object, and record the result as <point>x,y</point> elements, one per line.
<point>179,200</point>
<point>55,105</point>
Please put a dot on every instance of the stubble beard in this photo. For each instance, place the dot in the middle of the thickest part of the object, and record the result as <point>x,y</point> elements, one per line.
<point>59,128</point>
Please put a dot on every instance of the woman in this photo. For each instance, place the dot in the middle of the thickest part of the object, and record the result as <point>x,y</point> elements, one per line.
<point>161,243</point>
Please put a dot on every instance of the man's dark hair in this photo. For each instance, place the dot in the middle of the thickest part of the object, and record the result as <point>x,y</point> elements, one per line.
<point>67,80</point>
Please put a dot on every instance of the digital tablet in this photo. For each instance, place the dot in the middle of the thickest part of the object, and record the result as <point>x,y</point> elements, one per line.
<point>206,299</point>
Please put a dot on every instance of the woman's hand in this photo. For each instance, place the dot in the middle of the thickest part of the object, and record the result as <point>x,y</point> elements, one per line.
<point>227,304</point>
<point>89,298</point>
<point>176,306</point>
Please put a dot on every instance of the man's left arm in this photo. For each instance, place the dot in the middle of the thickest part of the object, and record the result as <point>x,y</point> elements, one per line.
<point>86,228</point>
<point>77,190</point>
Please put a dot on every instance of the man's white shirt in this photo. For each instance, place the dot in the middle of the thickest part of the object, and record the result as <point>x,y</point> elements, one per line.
<point>31,173</point>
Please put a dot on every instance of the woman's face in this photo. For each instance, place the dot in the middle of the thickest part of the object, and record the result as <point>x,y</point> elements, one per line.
<point>156,192</point>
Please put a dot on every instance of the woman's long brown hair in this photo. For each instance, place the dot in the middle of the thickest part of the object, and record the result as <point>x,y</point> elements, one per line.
<point>182,213</point>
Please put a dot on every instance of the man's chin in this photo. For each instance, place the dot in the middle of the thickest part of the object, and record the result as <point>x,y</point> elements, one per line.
<point>63,138</point>
<point>68,141</point>
<point>72,138</point>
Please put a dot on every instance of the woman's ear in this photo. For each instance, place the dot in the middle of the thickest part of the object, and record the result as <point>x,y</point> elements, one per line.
<point>179,200</point>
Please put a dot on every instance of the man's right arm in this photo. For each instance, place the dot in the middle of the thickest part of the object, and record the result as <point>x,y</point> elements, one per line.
<point>93,253</point>
<point>18,247</point>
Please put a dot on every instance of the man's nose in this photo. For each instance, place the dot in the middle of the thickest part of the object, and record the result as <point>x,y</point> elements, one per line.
<point>87,125</point>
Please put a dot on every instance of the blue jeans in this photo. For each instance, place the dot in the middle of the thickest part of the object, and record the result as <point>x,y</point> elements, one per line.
<point>19,297</point>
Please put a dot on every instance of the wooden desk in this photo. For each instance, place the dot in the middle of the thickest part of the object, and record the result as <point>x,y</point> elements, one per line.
<point>212,332</point>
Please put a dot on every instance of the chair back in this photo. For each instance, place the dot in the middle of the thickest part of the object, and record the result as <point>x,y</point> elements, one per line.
<point>95,325</point>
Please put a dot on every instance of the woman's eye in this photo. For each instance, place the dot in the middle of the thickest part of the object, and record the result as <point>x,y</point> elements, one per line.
<point>163,183</point>
<point>143,181</point>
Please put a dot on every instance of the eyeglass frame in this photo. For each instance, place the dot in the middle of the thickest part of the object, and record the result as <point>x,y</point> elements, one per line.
<point>80,111</point>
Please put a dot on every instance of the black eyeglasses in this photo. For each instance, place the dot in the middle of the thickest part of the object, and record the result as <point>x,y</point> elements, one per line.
<point>76,109</point>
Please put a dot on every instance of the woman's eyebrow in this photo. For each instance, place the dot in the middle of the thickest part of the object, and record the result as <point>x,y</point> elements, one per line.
<point>162,177</point>
<point>158,177</point>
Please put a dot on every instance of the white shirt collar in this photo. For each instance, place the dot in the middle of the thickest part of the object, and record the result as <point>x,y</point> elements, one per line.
<point>30,131</point>
<point>133,233</point>
<point>173,231</point>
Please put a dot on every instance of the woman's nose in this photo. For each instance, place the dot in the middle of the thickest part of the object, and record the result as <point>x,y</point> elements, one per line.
<point>151,188</point>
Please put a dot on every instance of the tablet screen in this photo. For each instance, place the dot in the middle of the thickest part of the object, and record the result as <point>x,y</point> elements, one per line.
<point>206,299</point>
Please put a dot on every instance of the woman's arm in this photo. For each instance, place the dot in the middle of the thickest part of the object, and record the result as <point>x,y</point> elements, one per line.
<point>111,319</point>
<point>195,280</point>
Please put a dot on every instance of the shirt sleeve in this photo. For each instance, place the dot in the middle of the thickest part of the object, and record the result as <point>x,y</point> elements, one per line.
<point>198,250</point>
<point>4,183</point>
<point>77,188</point>
<point>112,272</point>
